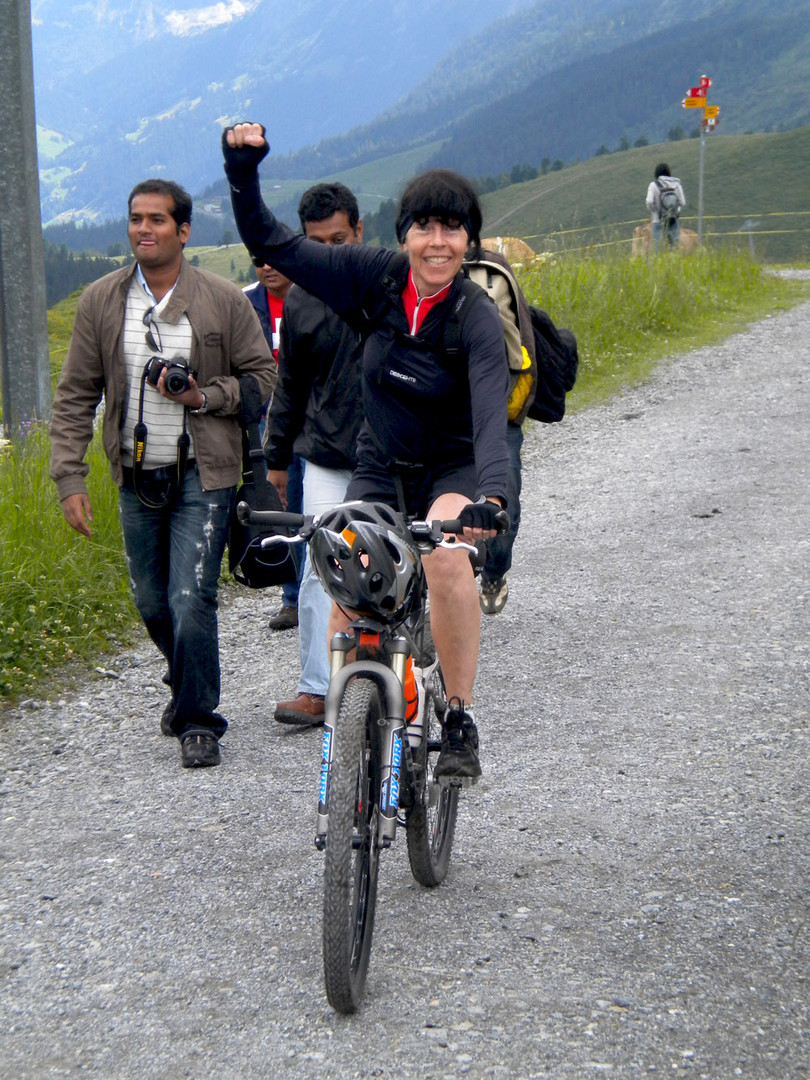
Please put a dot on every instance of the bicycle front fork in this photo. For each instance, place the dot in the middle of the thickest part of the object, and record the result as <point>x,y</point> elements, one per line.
<point>392,730</point>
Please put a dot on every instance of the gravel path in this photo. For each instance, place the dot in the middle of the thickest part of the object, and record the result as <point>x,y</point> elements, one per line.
<point>629,890</point>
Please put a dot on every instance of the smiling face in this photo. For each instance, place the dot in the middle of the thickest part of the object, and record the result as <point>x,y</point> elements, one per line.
<point>156,241</point>
<point>436,249</point>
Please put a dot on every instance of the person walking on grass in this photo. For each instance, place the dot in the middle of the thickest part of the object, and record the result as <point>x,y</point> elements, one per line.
<point>267,295</point>
<point>665,200</point>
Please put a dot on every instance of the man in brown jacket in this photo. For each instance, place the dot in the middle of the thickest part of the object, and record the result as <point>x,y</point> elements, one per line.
<point>173,350</point>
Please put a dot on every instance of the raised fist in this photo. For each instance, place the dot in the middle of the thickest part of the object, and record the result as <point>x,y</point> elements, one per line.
<point>246,134</point>
<point>243,147</point>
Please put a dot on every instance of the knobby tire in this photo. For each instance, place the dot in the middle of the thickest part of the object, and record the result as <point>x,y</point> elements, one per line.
<point>431,823</point>
<point>352,853</point>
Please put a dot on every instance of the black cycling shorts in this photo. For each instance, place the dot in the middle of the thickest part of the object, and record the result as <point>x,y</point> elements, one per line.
<point>375,481</point>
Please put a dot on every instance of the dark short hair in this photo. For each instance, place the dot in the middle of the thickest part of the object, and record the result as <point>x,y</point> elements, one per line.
<point>181,210</point>
<point>442,194</point>
<point>662,170</point>
<point>321,201</point>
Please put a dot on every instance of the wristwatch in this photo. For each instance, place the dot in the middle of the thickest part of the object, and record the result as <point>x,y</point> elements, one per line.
<point>204,407</point>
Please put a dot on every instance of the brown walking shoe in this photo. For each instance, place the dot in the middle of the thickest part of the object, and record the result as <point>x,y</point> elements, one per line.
<point>305,709</point>
<point>286,618</point>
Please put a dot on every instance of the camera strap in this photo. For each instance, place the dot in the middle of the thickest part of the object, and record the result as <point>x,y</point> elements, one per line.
<point>141,433</point>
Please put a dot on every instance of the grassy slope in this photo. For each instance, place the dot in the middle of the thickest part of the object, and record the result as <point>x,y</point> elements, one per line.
<point>629,314</point>
<point>746,176</point>
<point>759,176</point>
<point>227,261</point>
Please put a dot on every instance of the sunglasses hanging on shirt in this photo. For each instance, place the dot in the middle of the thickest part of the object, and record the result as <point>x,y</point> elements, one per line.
<point>156,496</point>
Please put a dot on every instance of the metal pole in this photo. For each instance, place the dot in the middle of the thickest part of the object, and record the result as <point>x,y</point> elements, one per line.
<point>25,370</point>
<point>700,183</point>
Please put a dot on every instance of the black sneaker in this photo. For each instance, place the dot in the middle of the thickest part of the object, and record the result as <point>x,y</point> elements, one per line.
<point>494,595</point>
<point>199,748</point>
<point>458,758</point>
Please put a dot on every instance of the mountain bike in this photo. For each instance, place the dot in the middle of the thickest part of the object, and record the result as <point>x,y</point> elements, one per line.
<point>382,722</point>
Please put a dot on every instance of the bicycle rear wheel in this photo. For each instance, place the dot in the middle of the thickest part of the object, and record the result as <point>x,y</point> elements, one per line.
<point>352,854</point>
<point>431,823</point>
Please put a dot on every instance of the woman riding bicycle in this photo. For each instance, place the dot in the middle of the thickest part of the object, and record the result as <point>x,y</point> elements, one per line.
<point>434,433</point>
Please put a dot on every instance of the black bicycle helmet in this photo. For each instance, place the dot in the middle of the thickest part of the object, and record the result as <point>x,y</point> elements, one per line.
<point>363,554</point>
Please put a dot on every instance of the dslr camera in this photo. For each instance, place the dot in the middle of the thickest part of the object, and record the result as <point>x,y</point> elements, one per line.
<point>177,375</point>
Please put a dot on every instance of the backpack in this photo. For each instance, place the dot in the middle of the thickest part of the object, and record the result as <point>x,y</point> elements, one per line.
<point>557,364</point>
<point>669,207</point>
<point>499,283</point>
<point>543,359</point>
<point>248,561</point>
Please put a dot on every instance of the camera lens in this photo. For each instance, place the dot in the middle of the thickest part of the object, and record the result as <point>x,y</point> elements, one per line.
<point>176,381</point>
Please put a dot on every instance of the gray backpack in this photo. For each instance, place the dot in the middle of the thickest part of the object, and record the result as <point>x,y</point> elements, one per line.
<point>669,206</point>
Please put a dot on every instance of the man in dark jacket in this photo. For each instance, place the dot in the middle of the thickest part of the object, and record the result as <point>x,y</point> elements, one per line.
<point>316,414</point>
<point>267,295</point>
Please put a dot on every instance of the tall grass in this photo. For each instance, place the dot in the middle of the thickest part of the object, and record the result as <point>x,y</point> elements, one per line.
<point>628,313</point>
<point>62,596</point>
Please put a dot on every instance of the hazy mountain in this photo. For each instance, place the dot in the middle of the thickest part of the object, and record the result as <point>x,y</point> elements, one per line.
<point>756,57</point>
<point>129,89</point>
<point>559,81</point>
<point>139,91</point>
<point>503,60</point>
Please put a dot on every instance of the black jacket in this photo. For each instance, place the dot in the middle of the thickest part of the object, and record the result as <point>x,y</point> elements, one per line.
<point>316,410</point>
<point>420,405</point>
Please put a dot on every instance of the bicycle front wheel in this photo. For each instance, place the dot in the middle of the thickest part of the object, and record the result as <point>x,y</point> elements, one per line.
<point>431,823</point>
<point>352,852</point>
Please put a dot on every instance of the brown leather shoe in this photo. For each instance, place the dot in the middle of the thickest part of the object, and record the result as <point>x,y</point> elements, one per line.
<point>286,618</point>
<point>305,709</point>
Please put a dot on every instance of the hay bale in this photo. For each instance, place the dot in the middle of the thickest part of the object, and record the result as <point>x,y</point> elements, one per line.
<point>516,251</point>
<point>643,243</point>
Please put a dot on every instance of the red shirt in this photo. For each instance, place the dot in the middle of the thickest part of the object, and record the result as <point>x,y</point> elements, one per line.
<point>276,305</point>
<point>416,307</point>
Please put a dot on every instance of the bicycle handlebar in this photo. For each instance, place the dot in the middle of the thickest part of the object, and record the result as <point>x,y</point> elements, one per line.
<point>279,518</point>
<point>455,526</point>
<point>434,532</point>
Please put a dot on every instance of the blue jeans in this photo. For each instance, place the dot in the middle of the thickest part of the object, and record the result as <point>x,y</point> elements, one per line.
<point>673,236</point>
<point>323,489</point>
<point>499,549</point>
<point>174,555</point>
<point>295,502</point>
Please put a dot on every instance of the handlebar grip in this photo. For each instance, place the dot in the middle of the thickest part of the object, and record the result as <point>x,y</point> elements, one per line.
<point>502,518</point>
<point>280,518</point>
<point>455,526</point>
